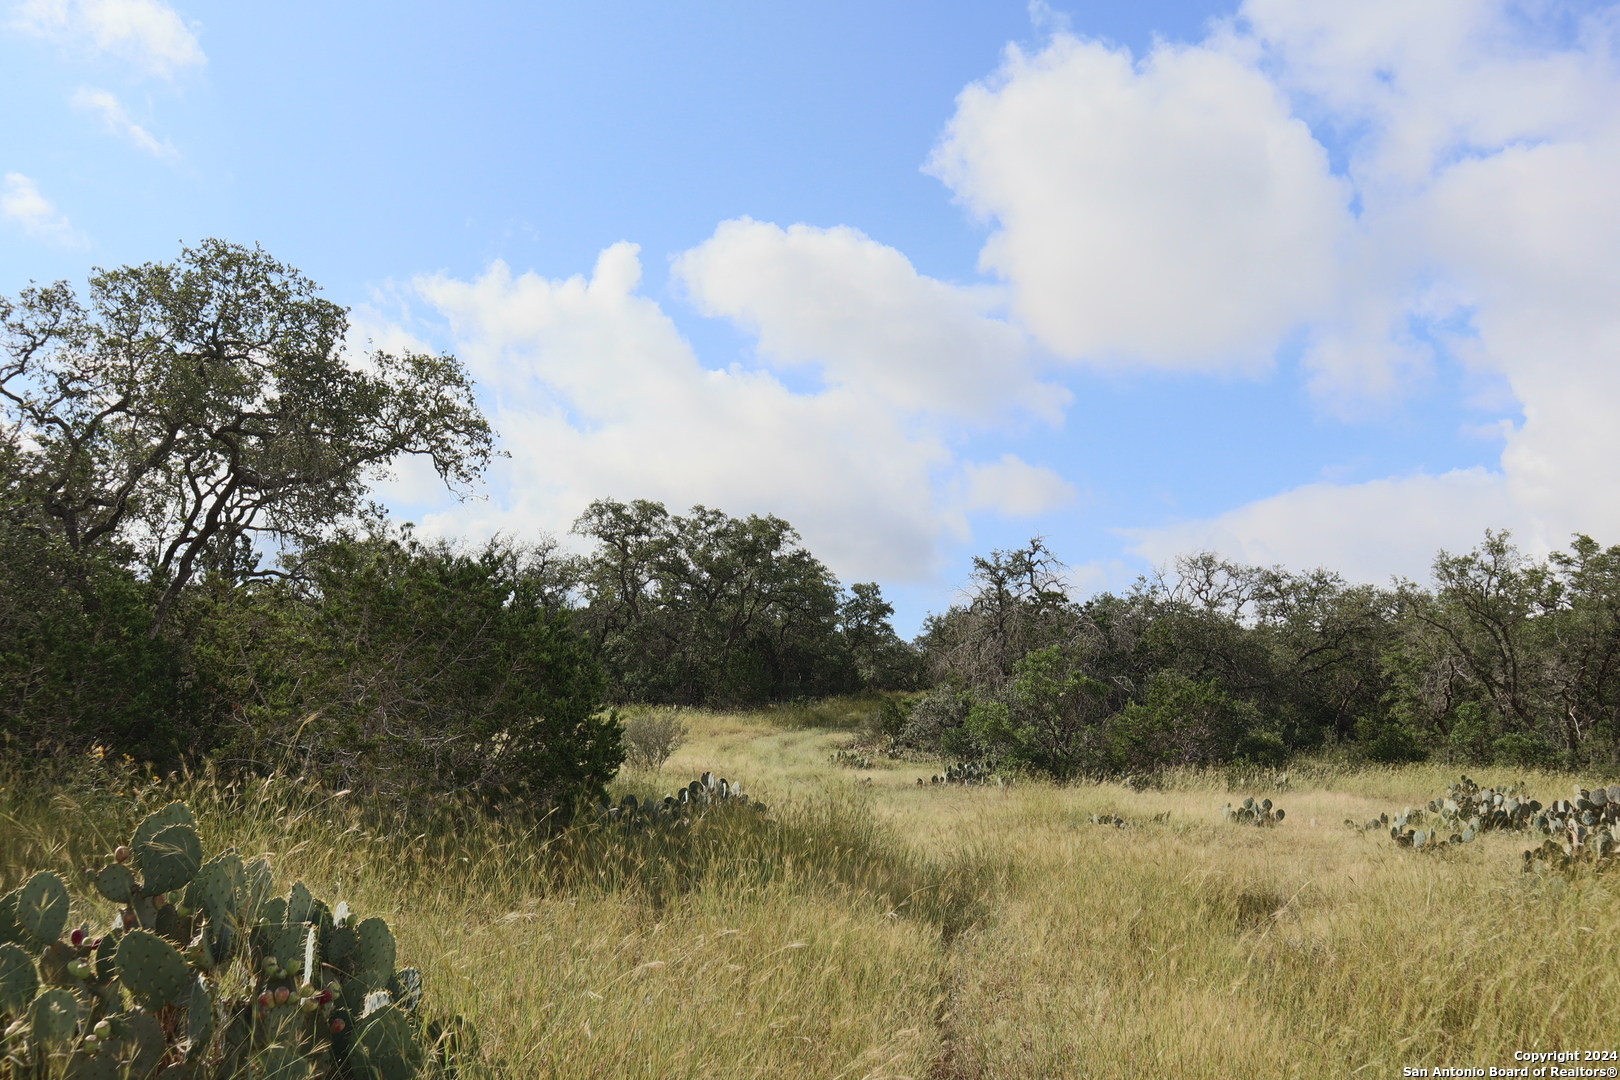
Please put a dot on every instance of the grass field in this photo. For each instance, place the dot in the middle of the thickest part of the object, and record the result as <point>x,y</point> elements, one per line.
<point>869,927</point>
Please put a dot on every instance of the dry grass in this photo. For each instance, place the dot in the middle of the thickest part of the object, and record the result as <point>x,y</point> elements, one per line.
<point>879,929</point>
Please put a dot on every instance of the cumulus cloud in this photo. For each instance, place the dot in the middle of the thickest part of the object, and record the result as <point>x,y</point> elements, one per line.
<point>148,34</point>
<point>1485,155</point>
<point>1169,211</point>
<point>1014,488</point>
<point>859,311</point>
<point>117,121</point>
<point>597,394</point>
<point>1177,211</point>
<point>22,205</point>
<point>1369,532</point>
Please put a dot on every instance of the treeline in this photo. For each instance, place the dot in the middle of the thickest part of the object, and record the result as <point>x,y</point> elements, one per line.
<point>1504,659</point>
<point>191,566</point>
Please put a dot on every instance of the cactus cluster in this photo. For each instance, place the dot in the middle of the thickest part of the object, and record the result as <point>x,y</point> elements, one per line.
<point>680,808</point>
<point>1114,821</point>
<point>1458,816</point>
<point>1583,833</point>
<point>1412,829</point>
<point>151,996</point>
<point>1252,812</point>
<point>965,772</point>
<point>850,759</point>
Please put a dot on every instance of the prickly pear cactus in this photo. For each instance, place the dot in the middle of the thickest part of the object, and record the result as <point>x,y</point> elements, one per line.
<point>1459,816</point>
<point>680,809</point>
<point>965,772</point>
<point>153,993</point>
<point>1253,812</point>
<point>1582,834</point>
<point>1114,821</point>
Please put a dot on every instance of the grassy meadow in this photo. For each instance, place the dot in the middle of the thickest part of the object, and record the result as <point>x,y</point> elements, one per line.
<point>868,927</point>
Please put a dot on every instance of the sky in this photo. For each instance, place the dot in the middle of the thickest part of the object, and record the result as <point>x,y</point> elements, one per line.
<point>1304,283</point>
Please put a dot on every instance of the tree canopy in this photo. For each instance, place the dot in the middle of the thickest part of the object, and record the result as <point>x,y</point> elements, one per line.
<point>192,408</point>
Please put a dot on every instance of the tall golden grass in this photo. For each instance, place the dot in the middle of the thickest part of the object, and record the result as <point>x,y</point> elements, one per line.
<point>868,927</point>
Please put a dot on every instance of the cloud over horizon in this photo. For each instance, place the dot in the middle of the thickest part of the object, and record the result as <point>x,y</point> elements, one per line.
<point>1375,196</point>
<point>1175,211</point>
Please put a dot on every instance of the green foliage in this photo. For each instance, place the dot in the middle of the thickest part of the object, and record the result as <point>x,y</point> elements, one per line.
<point>1513,660</point>
<point>322,997</point>
<point>1048,718</point>
<point>1217,662</point>
<point>195,405</point>
<point>1182,723</point>
<point>401,667</point>
<point>894,715</point>
<point>1386,740</point>
<point>707,609</point>
<point>78,664</point>
<point>183,416</point>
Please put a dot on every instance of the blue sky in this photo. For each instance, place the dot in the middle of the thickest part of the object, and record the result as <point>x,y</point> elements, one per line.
<point>1306,283</point>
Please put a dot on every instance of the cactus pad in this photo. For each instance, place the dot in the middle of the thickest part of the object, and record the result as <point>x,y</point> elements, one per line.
<point>169,859</point>
<point>287,946</point>
<point>152,969</point>
<point>140,1038</point>
<point>280,1061</point>
<point>9,930</point>
<point>300,903</point>
<point>176,813</point>
<point>199,1014</point>
<point>116,882</point>
<point>214,1024</point>
<point>97,1066</point>
<point>274,912</point>
<point>373,955</point>
<point>386,1048</point>
<point>141,1030</point>
<point>42,907</point>
<point>257,885</point>
<point>18,982</point>
<point>53,1017</point>
<point>339,946</point>
<point>216,888</point>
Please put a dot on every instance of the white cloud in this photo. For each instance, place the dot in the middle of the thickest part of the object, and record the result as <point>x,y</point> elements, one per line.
<point>860,311</point>
<point>1486,155</point>
<point>1368,532</point>
<point>596,394</point>
<point>1171,211</point>
<point>148,34</point>
<point>118,122</point>
<point>1014,488</point>
<point>22,205</point>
